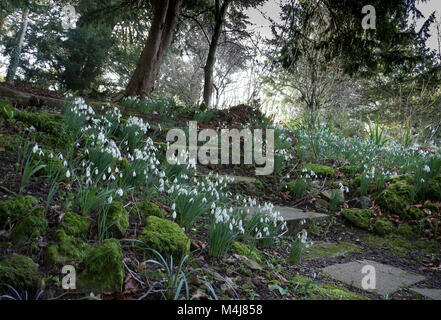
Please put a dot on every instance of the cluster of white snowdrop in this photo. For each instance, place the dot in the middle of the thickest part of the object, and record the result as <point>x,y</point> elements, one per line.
<point>227,217</point>
<point>138,122</point>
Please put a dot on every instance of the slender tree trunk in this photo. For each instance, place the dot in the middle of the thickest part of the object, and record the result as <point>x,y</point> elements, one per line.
<point>219,17</point>
<point>164,21</point>
<point>15,56</point>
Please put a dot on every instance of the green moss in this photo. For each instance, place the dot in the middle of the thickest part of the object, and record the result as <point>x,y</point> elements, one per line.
<point>32,226</point>
<point>395,243</point>
<point>415,214</point>
<point>20,272</point>
<point>349,170</point>
<point>76,225</point>
<point>14,207</point>
<point>244,250</point>
<point>408,231</point>
<point>434,187</point>
<point>359,217</point>
<point>315,290</point>
<point>66,249</point>
<point>164,236</point>
<point>330,250</point>
<point>383,227</point>
<point>432,207</point>
<point>104,269</point>
<point>395,198</point>
<point>11,143</point>
<point>49,123</point>
<point>116,220</point>
<point>319,170</point>
<point>147,209</point>
<point>405,178</point>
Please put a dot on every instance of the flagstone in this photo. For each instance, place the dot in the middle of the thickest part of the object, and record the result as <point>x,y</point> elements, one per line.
<point>388,279</point>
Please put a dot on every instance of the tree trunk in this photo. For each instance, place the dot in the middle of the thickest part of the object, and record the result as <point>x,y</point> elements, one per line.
<point>219,17</point>
<point>15,56</point>
<point>164,21</point>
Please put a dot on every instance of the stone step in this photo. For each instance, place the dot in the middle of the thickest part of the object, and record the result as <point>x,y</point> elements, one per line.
<point>434,294</point>
<point>388,279</point>
<point>322,250</point>
<point>294,216</point>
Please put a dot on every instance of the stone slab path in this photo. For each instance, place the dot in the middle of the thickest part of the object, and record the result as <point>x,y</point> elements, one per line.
<point>294,216</point>
<point>321,250</point>
<point>434,294</point>
<point>388,279</point>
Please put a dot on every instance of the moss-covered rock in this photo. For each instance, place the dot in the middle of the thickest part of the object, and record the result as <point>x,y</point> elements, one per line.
<point>104,269</point>
<point>32,226</point>
<point>434,188</point>
<point>76,225</point>
<point>19,272</point>
<point>164,236</point>
<point>319,169</point>
<point>432,207</point>
<point>405,178</point>
<point>359,217</point>
<point>395,198</point>
<point>66,249</point>
<point>315,290</point>
<point>147,209</point>
<point>14,207</point>
<point>321,250</point>
<point>116,220</point>
<point>383,227</point>
<point>414,214</point>
<point>244,250</point>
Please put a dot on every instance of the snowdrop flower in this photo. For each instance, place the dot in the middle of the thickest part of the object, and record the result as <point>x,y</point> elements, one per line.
<point>35,148</point>
<point>120,192</point>
<point>110,200</point>
<point>67,174</point>
<point>426,168</point>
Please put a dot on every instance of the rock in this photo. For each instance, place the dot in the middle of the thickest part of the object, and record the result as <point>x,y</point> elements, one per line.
<point>333,194</point>
<point>252,264</point>
<point>104,269</point>
<point>359,217</point>
<point>147,209</point>
<point>321,205</point>
<point>395,198</point>
<point>32,226</point>
<point>76,225</point>
<point>244,250</point>
<point>388,279</point>
<point>384,227</point>
<point>66,249</point>
<point>361,202</point>
<point>321,250</point>
<point>21,273</point>
<point>164,236</point>
<point>434,294</point>
<point>292,216</point>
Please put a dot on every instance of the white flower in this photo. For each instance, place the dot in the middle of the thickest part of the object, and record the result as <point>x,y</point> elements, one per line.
<point>110,200</point>
<point>67,174</point>
<point>120,192</point>
<point>35,148</point>
<point>426,168</point>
